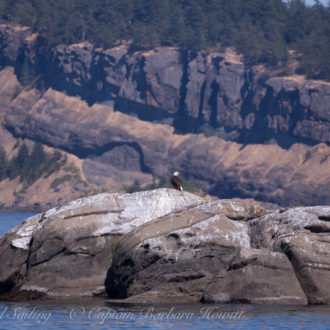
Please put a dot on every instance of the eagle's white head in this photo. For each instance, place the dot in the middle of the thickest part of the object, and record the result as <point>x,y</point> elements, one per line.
<point>176,173</point>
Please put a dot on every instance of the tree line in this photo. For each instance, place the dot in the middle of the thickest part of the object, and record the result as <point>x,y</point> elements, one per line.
<point>262,30</point>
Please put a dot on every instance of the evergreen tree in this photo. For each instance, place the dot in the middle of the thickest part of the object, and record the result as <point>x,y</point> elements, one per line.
<point>21,163</point>
<point>3,164</point>
<point>30,166</point>
<point>263,30</point>
<point>27,74</point>
<point>38,155</point>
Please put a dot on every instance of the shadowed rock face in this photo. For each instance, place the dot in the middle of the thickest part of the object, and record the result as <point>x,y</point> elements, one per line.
<point>163,246</point>
<point>257,276</point>
<point>208,91</point>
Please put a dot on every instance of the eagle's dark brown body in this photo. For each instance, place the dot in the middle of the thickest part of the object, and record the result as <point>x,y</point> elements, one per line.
<point>176,182</point>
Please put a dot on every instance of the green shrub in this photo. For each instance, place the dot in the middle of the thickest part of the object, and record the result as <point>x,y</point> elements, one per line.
<point>133,188</point>
<point>59,181</point>
<point>30,166</point>
<point>71,168</point>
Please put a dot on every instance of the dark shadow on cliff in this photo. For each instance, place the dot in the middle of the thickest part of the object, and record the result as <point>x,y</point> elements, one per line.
<point>285,105</point>
<point>99,151</point>
<point>89,152</point>
<point>114,285</point>
<point>141,111</point>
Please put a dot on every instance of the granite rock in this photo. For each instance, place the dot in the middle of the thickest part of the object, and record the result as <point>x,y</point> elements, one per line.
<point>301,233</point>
<point>67,251</point>
<point>165,246</point>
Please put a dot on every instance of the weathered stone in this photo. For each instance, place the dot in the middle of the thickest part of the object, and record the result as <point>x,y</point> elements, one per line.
<point>176,256</point>
<point>303,235</point>
<point>165,246</point>
<point>310,256</point>
<point>257,276</point>
<point>278,227</point>
<point>14,247</point>
<point>67,251</point>
<point>191,264</point>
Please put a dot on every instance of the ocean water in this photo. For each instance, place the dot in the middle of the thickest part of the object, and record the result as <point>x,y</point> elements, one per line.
<point>10,220</point>
<point>98,313</point>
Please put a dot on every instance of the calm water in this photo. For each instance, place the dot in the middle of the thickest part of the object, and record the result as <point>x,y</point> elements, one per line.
<point>99,314</point>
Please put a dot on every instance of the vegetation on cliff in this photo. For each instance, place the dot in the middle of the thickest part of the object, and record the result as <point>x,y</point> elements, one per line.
<point>263,30</point>
<point>30,166</point>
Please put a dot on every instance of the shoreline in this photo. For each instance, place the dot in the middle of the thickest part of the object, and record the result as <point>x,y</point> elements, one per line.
<point>9,210</point>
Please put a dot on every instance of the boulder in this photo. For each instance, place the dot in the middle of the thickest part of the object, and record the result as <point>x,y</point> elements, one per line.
<point>209,261</point>
<point>165,246</point>
<point>303,234</point>
<point>14,247</point>
<point>67,251</point>
<point>175,257</point>
<point>257,276</point>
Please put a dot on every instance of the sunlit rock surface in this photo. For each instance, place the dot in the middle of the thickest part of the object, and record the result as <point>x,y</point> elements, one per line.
<point>67,251</point>
<point>165,246</point>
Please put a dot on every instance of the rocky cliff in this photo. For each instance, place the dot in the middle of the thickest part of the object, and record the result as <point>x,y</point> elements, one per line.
<point>210,92</point>
<point>163,246</point>
<point>130,109</point>
<point>114,149</point>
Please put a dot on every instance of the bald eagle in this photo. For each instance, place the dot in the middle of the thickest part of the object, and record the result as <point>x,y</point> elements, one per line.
<point>176,181</point>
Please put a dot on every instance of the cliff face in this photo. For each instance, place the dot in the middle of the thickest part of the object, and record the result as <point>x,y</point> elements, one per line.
<point>149,99</point>
<point>208,92</point>
<point>115,149</point>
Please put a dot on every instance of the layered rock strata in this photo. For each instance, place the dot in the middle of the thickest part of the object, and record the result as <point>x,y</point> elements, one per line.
<point>208,91</point>
<point>116,149</point>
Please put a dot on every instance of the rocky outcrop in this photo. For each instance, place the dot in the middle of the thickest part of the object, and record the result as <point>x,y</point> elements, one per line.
<point>210,92</point>
<point>210,260</point>
<point>303,235</point>
<point>67,251</point>
<point>185,249</point>
<point>257,276</point>
<point>16,43</point>
<point>163,246</point>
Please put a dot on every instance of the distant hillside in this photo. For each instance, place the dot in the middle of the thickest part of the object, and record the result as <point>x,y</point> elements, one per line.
<point>124,119</point>
<point>263,30</point>
<point>109,150</point>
